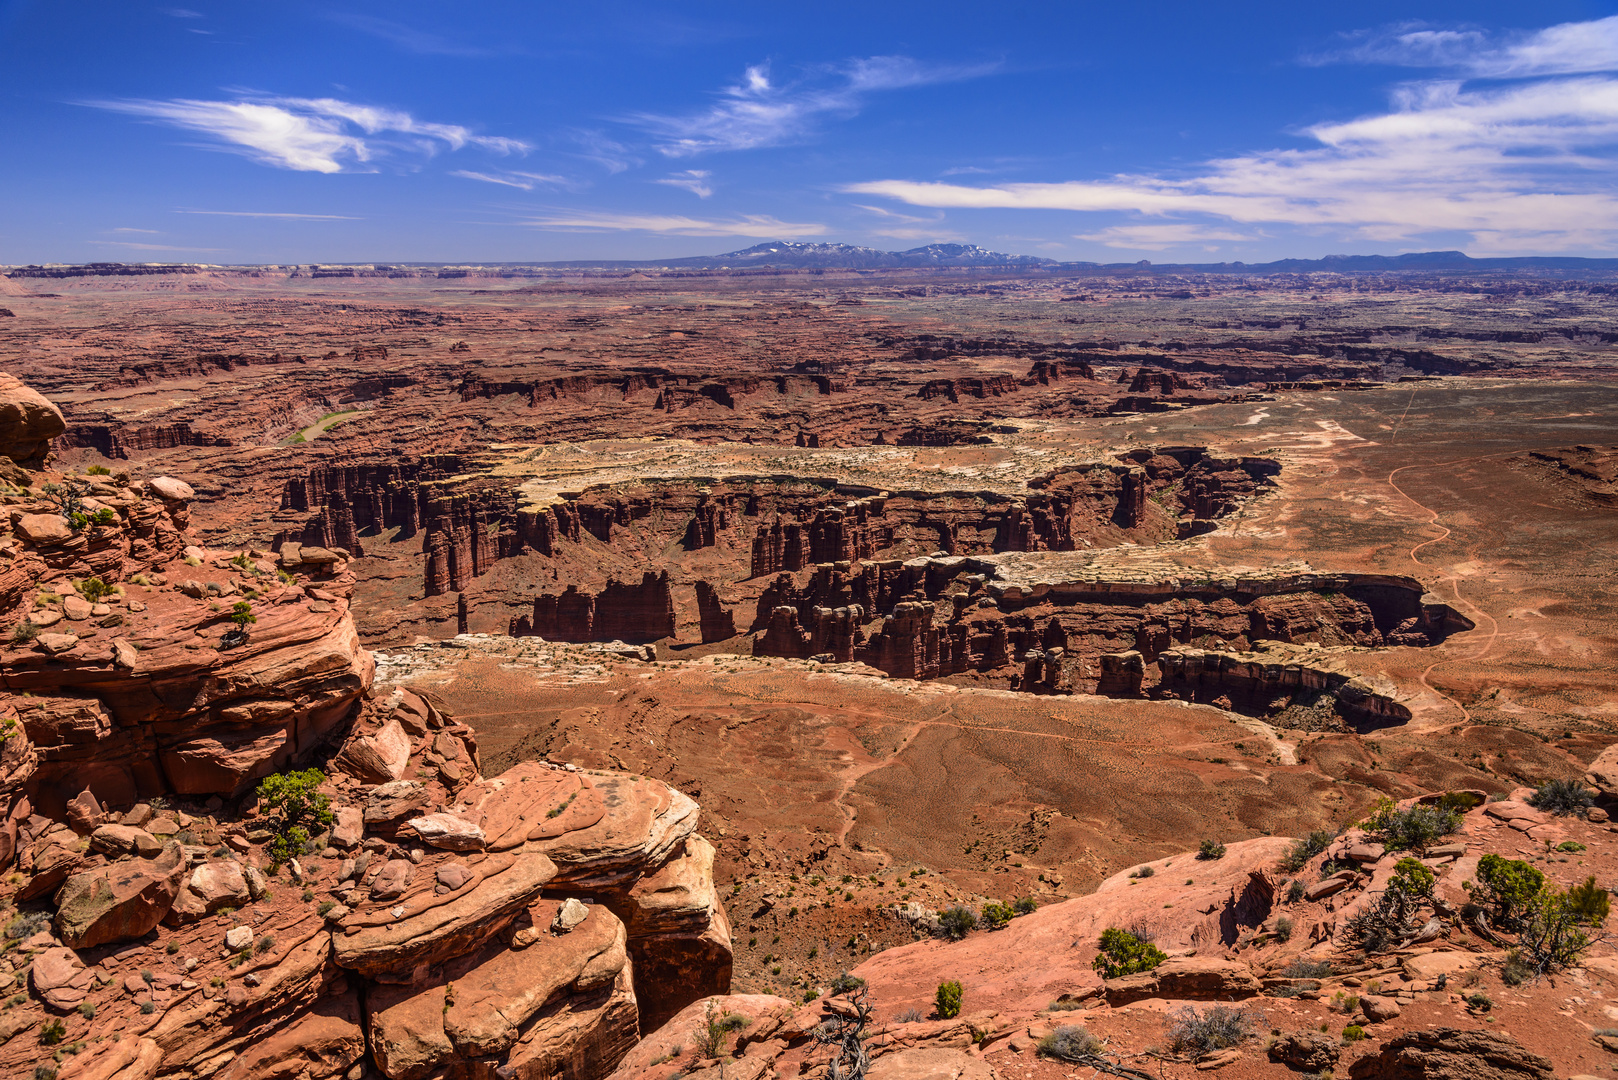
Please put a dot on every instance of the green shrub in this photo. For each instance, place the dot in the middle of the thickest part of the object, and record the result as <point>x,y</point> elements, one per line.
<point>325,907</point>
<point>148,1007</point>
<point>24,632</point>
<point>93,589</point>
<point>1562,797</point>
<point>846,984</point>
<point>97,470</point>
<point>1295,891</point>
<point>1210,849</point>
<point>88,1010</point>
<point>1479,1001</point>
<point>1414,829</point>
<point>1353,1033</point>
<point>947,1000</point>
<point>1303,850</point>
<point>53,1032</point>
<point>1283,929</point>
<point>1143,872</point>
<point>1025,905</point>
<point>996,915</point>
<point>1070,1042</point>
<point>1505,888</point>
<point>1122,953</point>
<point>956,922</point>
<point>1588,903</point>
<point>293,803</point>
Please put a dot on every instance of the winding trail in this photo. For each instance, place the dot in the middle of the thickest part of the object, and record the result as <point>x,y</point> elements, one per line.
<point>1452,579</point>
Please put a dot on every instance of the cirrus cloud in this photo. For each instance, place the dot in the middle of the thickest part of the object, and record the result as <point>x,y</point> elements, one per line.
<point>756,225</point>
<point>759,111</point>
<point>324,135</point>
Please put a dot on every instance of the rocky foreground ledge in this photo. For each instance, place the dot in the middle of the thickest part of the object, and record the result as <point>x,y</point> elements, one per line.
<point>443,923</point>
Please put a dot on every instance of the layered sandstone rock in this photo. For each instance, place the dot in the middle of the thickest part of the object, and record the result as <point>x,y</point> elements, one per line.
<point>28,423</point>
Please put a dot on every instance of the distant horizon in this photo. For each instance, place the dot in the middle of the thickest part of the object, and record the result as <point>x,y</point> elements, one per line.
<point>652,263</point>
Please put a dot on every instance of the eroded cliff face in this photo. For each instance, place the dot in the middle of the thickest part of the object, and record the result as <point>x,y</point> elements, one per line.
<point>441,923</point>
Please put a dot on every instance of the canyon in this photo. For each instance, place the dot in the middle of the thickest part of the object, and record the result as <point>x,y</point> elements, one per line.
<point>678,643</point>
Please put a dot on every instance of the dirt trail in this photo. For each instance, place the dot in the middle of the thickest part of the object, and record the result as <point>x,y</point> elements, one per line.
<point>1452,579</point>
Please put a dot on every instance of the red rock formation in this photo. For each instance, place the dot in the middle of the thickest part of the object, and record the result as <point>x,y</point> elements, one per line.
<point>620,612</point>
<point>718,624</point>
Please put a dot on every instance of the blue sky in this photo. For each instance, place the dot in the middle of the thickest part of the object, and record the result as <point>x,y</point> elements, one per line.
<point>337,131</point>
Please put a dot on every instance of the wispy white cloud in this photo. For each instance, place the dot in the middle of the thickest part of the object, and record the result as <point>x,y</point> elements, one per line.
<point>272,214</point>
<point>756,225</point>
<point>1579,48</point>
<point>310,134</point>
<point>151,247</point>
<point>408,38</point>
<point>595,146</point>
<point>1163,237</point>
<point>899,226</point>
<point>129,230</point>
<point>759,112</point>
<point>693,180</point>
<point>181,13</point>
<point>527,181</point>
<point>1528,165</point>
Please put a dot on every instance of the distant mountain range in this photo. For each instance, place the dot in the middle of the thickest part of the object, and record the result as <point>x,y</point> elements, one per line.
<point>786,255</point>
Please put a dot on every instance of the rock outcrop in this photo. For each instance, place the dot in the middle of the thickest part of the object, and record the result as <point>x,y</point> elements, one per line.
<point>509,925</point>
<point>28,423</point>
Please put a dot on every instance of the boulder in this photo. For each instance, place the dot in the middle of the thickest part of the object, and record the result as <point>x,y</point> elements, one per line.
<point>1306,1051</point>
<point>238,937</point>
<point>1445,1053</point>
<point>1428,966</point>
<point>124,900</point>
<point>448,831</point>
<point>43,529</point>
<point>389,804</point>
<point>394,879</point>
<point>170,490</point>
<point>380,758</point>
<point>213,885</point>
<point>116,840</point>
<point>348,828</point>
<point>84,812</point>
<point>61,978</point>
<point>1208,978</point>
<point>28,423</point>
<point>570,914</point>
<point>76,608</point>
<point>1378,1009</point>
<point>57,643</point>
<point>326,1041</point>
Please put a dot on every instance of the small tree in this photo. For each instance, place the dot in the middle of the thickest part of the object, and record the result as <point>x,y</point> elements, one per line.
<point>996,915</point>
<point>241,613</point>
<point>1396,917</point>
<point>1122,953</point>
<point>1553,928</point>
<point>1211,849</point>
<point>947,1000</point>
<point>293,802</point>
<point>1505,888</point>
